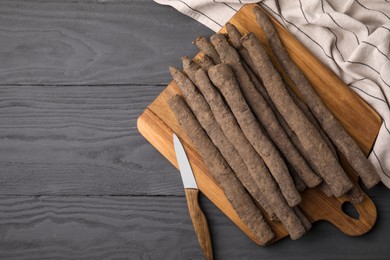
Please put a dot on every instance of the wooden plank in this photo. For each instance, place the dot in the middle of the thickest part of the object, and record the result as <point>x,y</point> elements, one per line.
<point>92,42</point>
<point>96,228</point>
<point>158,123</point>
<point>159,228</point>
<point>79,140</point>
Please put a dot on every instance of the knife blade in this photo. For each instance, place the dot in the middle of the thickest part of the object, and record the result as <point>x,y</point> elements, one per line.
<point>191,190</point>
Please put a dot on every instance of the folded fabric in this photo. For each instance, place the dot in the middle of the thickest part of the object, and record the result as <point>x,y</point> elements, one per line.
<point>351,37</point>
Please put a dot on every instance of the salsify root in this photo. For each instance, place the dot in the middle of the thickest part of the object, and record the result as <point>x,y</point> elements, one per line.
<point>324,187</point>
<point>205,117</point>
<point>224,79</point>
<point>311,180</point>
<point>219,169</point>
<point>207,48</point>
<point>312,119</point>
<point>301,186</point>
<point>316,148</point>
<point>190,68</point>
<point>305,222</point>
<point>205,62</point>
<point>235,39</point>
<point>340,138</point>
<point>251,158</point>
<point>266,116</point>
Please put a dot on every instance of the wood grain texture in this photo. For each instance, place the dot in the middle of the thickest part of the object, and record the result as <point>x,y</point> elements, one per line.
<point>158,122</point>
<point>91,42</point>
<point>200,223</point>
<point>96,228</point>
<point>160,228</point>
<point>79,140</point>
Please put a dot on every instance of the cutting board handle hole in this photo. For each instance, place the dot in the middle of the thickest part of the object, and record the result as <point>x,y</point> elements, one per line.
<point>349,209</point>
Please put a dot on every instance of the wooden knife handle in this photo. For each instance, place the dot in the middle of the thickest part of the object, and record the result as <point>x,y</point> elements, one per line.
<point>200,223</point>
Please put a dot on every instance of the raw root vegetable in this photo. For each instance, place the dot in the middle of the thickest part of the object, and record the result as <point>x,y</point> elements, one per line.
<point>223,78</point>
<point>205,117</point>
<point>234,37</point>
<point>218,168</point>
<point>324,187</point>
<point>255,165</point>
<point>265,115</point>
<point>205,62</point>
<point>299,184</point>
<point>312,119</point>
<point>207,48</point>
<point>345,144</point>
<point>190,68</point>
<point>305,222</point>
<point>355,195</point>
<point>315,146</point>
<point>311,179</point>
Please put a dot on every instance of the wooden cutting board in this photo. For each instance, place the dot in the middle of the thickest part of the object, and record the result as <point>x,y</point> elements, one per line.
<point>157,123</point>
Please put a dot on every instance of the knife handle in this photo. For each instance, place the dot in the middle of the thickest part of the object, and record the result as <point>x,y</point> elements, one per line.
<point>200,223</point>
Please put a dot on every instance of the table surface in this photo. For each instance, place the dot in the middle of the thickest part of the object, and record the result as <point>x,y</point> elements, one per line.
<point>77,180</point>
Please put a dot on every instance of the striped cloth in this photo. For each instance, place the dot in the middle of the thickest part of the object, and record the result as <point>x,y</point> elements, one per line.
<point>350,37</point>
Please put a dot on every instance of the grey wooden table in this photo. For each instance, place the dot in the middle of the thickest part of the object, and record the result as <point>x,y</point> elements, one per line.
<point>76,178</point>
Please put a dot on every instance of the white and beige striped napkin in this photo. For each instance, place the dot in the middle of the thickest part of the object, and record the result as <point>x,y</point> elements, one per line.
<point>350,37</point>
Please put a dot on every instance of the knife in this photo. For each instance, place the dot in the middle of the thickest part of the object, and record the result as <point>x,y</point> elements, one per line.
<point>191,189</point>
